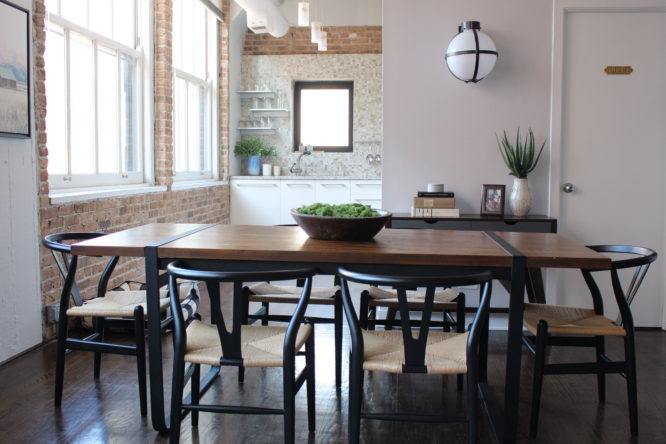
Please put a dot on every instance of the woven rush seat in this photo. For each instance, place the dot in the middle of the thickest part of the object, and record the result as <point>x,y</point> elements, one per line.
<point>115,304</point>
<point>389,298</point>
<point>570,321</point>
<point>261,346</point>
<point>445,352</point>
<point>267,292</point>
<point>120,302</point>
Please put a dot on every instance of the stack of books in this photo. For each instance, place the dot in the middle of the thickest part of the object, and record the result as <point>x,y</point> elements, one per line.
<point>435,204</point>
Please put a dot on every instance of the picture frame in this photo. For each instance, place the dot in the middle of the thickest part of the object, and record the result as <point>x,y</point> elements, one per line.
<point>492,200</point>
<point>15,119</point>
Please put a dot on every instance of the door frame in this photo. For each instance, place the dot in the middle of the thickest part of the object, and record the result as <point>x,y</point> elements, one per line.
<point>561,8</point>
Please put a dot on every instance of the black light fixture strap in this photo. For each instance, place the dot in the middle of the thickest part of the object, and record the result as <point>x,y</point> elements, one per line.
<point>476,61</point>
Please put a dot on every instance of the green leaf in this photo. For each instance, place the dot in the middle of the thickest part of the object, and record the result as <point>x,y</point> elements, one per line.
<point>519,157</point>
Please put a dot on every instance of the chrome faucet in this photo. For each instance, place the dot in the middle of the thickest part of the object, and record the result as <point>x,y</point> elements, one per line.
<point>296,167</point>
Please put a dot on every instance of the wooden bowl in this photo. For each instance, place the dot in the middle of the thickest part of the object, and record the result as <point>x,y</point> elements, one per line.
<point>341,228</point>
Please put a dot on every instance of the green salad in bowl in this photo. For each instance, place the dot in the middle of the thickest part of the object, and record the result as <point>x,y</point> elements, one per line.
<point>343,222</point>
<point>341,210</point>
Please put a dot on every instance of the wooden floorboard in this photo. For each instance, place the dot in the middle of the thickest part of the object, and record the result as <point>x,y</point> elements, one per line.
<point>107,411</point>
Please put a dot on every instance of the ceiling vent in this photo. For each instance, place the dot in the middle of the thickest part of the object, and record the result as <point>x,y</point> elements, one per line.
<point>263,16</point>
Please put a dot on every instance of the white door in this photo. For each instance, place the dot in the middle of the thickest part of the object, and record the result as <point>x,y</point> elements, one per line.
<point>613,145</point>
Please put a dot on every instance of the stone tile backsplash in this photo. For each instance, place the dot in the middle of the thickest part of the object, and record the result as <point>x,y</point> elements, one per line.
<point>278,73</point>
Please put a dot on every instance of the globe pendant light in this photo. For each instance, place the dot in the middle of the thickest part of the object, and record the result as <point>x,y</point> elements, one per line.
<point>471,55</point>
<point>303,13</point>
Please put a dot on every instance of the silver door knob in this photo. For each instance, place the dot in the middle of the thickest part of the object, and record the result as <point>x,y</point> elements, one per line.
<point>568,187</point>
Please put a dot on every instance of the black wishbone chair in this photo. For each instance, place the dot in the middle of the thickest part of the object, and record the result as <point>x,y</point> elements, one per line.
<point>555,325</point>
<point>122,307</point>
<point>103,310</point>
<point>398,351</point>
<point>267,293</point>
<point>240,346</point>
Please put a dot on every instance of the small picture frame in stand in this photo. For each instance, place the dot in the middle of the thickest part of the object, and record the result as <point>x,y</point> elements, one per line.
<point>492,200</point>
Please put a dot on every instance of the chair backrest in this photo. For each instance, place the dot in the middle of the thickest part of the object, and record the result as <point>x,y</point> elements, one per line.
<point>61,250</point>
<point>230,339</point>
<point>415,347</point>
<point>640,260</point>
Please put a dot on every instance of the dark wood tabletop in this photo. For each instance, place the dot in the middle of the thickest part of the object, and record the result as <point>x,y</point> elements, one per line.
<point>390,246</point>
<point>280,243</point>
<point>131,242</point>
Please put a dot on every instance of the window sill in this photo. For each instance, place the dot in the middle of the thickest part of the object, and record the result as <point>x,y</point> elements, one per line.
<point>83,194</point>
<point>192,184</point>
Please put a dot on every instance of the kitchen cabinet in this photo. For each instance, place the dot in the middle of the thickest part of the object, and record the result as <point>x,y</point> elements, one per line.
<point>294,194</point>
<point>366,192</point>
<point>255,202</point>
<point>268,201</point>
<point>332,191</point>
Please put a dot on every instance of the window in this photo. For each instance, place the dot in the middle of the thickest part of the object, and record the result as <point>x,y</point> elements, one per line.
<point>94,84</point>
<point>323,114</point>
<point>195,89</point>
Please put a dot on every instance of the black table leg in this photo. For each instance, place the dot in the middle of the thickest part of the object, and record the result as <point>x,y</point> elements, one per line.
<point>514,348</point>
<point>154,341</point>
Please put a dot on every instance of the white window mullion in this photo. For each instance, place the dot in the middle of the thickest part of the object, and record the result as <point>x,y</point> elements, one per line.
<point>106,41</point>
<point>187,126</point>
<point>95,107</point>
<point>68,107</point>
<point>120,156</point>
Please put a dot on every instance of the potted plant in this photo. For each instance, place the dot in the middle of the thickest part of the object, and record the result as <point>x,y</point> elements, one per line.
<point>251,149</point>
<point>521,160</point>
<point>267,153</point>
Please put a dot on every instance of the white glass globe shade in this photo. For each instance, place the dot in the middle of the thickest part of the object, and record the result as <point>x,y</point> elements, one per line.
<point>462,53</point>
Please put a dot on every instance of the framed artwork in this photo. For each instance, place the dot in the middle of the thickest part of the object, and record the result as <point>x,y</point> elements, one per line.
<point>492,200</point>
<point>14,70</point>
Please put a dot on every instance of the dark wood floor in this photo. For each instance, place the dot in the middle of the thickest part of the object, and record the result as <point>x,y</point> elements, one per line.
<point>108,410</point>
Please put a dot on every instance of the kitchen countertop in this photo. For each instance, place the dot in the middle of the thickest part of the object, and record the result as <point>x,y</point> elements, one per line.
<point>305,178</point>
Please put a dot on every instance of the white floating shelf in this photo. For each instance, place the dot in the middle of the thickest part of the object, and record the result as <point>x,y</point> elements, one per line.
<point>257,130</point>
<point>270,112</point>
<point>256,94</point>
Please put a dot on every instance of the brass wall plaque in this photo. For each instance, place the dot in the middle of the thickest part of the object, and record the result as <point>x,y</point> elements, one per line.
<point>622,70</point>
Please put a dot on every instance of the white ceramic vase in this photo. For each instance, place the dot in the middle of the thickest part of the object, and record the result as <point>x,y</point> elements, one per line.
<point>520,199</point>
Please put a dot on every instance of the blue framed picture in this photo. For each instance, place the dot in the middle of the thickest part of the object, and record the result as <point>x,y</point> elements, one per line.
<point>14,70</point>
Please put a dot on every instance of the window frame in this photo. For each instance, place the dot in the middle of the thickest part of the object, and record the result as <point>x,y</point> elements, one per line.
<point>211,96</point>
<point>141,104</point>
<point>299,86</point>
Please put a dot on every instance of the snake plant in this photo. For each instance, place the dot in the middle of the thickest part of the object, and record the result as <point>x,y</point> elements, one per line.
<point>519,157</point>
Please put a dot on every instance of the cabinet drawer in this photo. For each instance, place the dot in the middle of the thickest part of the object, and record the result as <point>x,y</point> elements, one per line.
<point>373,201</point>
<point>332,191</point>
<point>293,194</point>
<point>366,188</point>
<point>255,202</point>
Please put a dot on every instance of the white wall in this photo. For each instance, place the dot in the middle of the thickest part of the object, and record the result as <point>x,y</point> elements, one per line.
<point>337,12</point>
<point>20,299</point>
<point>237,30</point>
<point>439,129</point>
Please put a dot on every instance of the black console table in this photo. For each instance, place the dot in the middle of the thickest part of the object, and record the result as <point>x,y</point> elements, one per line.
<point>532,223</point>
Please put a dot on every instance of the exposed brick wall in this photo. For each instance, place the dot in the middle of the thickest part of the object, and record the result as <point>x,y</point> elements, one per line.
<point>163,78</point>
<point>200,205</point>
<point>340,40</point>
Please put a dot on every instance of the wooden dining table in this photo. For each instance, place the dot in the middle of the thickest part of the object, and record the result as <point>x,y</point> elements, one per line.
<point>394,251</point>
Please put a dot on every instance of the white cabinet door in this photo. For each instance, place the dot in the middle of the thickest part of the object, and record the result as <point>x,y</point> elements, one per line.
<point>367,192</point>
<point>332,191</point>
<point>293,194</point>
<point>255,202</point>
